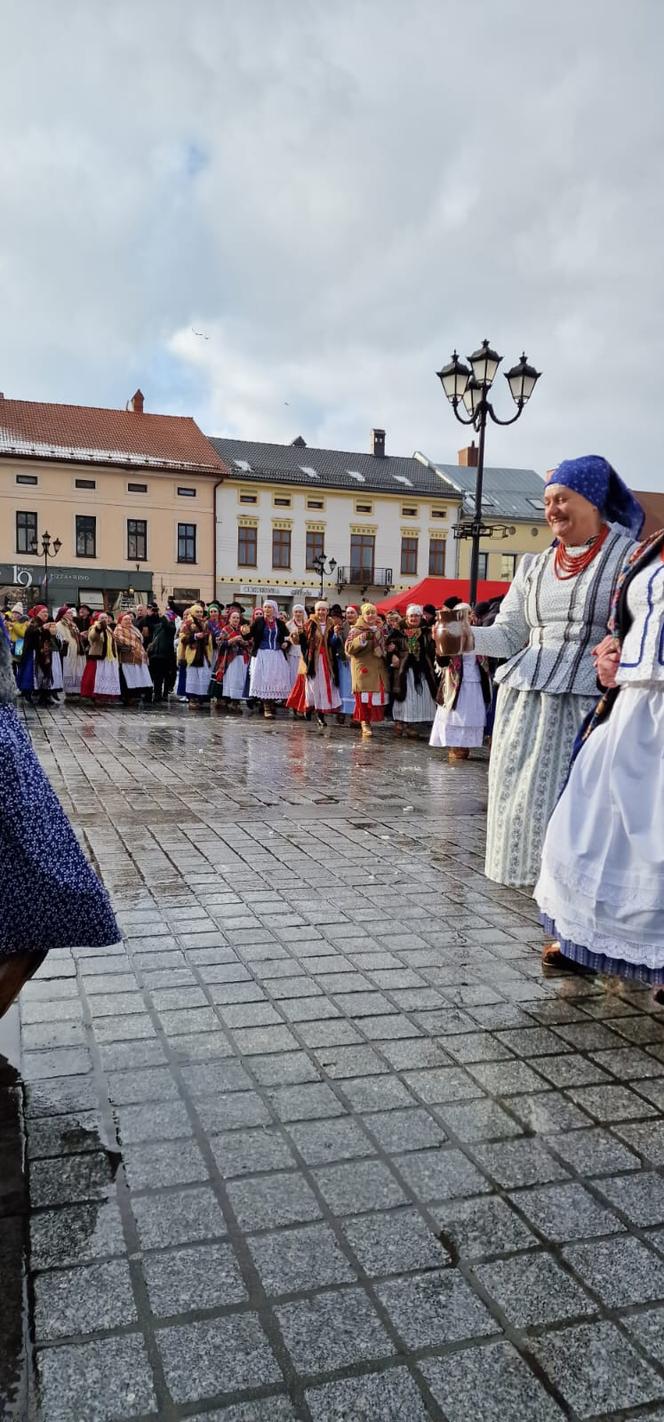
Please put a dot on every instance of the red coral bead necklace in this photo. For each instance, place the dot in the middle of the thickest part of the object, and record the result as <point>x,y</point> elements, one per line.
<point>569,565</point>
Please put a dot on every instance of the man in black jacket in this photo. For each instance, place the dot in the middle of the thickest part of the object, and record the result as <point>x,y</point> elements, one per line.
<point>162,658</point>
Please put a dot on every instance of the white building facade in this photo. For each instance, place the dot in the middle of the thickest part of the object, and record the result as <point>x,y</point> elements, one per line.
<point>387,522</point>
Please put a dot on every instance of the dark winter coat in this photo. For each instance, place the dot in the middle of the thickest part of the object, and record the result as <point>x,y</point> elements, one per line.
<point>258,628</point>
<point>163,642</point>
<point>39,648</point>
<point>415,651</point>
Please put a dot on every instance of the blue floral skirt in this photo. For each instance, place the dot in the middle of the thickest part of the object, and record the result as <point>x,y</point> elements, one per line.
<point>50,897</point>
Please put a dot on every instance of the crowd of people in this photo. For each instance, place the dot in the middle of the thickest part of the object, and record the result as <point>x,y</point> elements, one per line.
<point>576,776</point>
<point>353,663</point>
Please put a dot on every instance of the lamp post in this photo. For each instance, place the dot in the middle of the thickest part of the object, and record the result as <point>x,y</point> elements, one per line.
<point>49,550</point>
<point>470,386</point>
<point>324,567</point>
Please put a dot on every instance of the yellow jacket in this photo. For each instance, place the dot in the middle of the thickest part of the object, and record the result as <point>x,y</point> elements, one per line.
<point>16,627</point>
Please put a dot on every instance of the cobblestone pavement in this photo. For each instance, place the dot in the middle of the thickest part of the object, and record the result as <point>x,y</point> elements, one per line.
<point>317,1142</point>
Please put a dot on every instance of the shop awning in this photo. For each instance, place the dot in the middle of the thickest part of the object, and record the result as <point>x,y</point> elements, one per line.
<point>435,590</point>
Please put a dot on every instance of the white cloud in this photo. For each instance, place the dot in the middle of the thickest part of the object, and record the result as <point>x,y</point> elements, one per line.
<point>338,195</point>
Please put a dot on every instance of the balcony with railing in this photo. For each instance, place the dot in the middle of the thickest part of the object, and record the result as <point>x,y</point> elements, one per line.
<point>357,577</point>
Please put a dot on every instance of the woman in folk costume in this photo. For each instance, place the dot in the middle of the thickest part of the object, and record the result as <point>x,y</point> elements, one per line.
<point>297,697</point>
<point>83,620</point>
<point>101,678</point>
<point>40,667</point>
<point>413,679</point>
<point>341,627</point>
<point>555,611</point>
<point>269,676</point>
<point>49,896</point>
<point>601,884</point>
<point>216,620</point>
<point>253,704</point>
<point>394,625</point>
<point>366,648</point>
<point>227,686</point>
<point>135,677</point>
<point>296,627</point>
<point>17,626</point>
<point>321,643</point>
<point>195,654</point>
<point>73,655</point>
<point>464,692</point>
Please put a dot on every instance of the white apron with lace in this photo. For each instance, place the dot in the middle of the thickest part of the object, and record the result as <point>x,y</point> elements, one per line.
<point>602,875</point>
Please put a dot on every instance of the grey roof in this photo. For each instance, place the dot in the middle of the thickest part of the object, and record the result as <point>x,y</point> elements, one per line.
<point>507,492</point>
<point>253,461</point>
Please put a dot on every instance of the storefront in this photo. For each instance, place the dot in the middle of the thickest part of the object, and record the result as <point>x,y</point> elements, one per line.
<point>100,588</point>
<point>252,595</point>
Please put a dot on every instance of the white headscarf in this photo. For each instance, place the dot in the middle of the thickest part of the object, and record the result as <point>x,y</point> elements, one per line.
<point>413,610</point>
<point>269,602</point>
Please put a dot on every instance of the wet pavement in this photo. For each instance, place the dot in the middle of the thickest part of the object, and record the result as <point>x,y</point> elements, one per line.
<point>316,1141</point>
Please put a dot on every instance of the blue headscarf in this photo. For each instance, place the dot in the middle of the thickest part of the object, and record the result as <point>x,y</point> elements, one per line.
<point>592,476</point>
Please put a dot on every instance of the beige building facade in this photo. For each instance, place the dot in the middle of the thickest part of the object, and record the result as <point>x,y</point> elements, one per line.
<point>386,521</point>
<point>512,501</point>
<point>129,496</point>
<point>500,557</point>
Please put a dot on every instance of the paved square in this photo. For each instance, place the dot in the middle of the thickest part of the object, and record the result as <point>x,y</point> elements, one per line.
<point>317,1141</point>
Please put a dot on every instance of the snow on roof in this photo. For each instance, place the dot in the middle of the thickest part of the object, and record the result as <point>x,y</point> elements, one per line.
<point>42,450</point>
<point>100,435</point>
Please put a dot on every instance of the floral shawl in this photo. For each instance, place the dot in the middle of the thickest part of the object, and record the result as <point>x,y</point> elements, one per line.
<point>234,642</point>
<point>129,642</point>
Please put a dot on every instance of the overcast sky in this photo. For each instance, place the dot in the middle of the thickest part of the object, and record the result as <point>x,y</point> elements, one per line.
<point>336,193</point>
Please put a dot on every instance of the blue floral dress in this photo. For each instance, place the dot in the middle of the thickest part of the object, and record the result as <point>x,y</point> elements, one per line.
<point>50,897</point>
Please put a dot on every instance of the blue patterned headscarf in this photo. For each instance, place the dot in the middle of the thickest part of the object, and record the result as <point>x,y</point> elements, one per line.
<point>593,476</point>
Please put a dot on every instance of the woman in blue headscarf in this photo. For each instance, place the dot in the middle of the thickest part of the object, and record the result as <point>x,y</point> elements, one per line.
<point>557,609</point>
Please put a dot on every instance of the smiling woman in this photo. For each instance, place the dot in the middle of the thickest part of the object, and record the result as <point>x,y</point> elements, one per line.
<point>556,610</point>
<point>571,517</point>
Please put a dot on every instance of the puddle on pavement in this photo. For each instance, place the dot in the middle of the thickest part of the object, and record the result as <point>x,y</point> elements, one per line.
<point>17,1399</point>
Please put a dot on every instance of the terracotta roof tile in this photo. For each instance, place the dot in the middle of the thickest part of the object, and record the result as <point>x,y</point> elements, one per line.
<point>98,435</point>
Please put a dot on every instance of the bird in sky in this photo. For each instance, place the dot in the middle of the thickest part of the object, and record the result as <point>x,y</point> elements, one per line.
<point>201,334</point>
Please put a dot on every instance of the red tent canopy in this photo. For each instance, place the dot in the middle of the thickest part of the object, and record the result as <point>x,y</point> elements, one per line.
<point>435,590</point>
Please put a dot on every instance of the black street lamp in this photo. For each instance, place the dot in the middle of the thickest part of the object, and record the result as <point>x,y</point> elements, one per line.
<point>49,550</point>
<point>324,567</point>
<point>470,386</point>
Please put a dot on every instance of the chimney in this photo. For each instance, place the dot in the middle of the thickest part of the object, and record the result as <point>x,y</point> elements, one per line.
<point>136,402</point>
<point>378,444</point>
<point>468,457</point>
<point>299,443</point>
